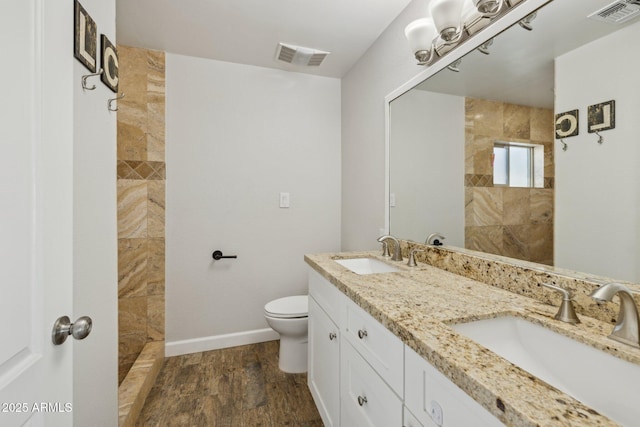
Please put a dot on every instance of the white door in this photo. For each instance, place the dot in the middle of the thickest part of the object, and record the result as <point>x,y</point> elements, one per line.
<point>36,143</point>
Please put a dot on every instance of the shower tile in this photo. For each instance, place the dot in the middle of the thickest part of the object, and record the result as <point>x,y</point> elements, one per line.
<point>132,208</point>
<point>549,165</point>
<point>517,122</point>
<point>132,267</point>
<point>516,240</point>
<point>156,266</point>
<point>542,124</point>
<point>487,206</point>
<point>487,117</point>
<point>483,155</point>
<point>155,208</point>
<point>132,64</point>
<point>155,317</point>
<point>541,243</point>
<point>132,144</point>
<point>485,239</point>
<point>516,206</point>
<point>132,319</point>
<point>469,152</point>
<point>542,206</point>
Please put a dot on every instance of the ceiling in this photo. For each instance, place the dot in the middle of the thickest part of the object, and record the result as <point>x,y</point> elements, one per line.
<point>248,31</point>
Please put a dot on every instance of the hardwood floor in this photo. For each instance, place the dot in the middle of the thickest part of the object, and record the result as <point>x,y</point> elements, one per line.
<point>235,387</point>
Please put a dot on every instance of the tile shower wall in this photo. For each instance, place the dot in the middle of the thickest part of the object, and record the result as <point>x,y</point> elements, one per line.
<point>141,202</point>
<point>514,222</point>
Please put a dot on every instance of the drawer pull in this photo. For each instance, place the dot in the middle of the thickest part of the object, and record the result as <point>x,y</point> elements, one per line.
<point>332,336</point>
<point>361,334</point>
<point>362,400</point>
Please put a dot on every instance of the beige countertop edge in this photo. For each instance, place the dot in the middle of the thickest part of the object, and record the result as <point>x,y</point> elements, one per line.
<point>511,394</point>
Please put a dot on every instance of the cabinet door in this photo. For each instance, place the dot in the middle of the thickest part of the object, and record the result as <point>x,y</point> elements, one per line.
<point>324,364</point>
<point>410,420</point>
<point>366,400</point>
<point>436,401</point>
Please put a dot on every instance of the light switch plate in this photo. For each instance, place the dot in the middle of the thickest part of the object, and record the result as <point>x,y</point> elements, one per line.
<point>285,200</point>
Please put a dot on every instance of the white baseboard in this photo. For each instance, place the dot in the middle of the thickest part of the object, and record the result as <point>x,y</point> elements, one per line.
<point>215,342</point>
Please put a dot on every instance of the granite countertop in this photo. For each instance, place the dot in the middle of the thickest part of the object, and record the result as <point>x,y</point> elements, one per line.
<point>418,303</point>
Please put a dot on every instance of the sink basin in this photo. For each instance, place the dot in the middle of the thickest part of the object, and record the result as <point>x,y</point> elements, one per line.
<point>366,265</point>
<point>601,381</point>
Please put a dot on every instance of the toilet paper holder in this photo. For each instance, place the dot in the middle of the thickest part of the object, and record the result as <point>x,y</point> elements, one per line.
<point>217,254</point>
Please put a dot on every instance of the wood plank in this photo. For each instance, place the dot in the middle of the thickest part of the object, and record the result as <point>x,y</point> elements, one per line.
<point>235,387</point>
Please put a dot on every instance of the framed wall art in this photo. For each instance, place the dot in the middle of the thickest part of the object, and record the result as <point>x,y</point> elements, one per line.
<point>85,38</point>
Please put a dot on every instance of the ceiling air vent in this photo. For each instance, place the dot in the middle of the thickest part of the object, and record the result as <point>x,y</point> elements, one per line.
<point>299,55</point>
<point>618,12</point>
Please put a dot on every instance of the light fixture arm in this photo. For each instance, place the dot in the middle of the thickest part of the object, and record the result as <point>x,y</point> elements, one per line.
<point>485,7</point>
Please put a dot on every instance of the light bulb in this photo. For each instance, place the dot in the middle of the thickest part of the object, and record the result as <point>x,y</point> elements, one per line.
<point>420,34</point>
<point>446,16</point>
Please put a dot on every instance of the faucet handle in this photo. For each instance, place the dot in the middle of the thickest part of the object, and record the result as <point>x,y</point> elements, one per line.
<point>565,313</point>
<point>412,258</point>
<point>385,250</point>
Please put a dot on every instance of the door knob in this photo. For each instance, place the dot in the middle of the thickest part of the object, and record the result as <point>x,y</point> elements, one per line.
<point>63,327</point>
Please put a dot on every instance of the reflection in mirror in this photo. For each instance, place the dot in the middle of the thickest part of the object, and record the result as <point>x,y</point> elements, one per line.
<point>450,135</point>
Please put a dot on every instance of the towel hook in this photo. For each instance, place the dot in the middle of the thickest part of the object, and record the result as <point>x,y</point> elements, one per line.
<point>85,77</point>
<point>564,144</point>
<point>600,138</point>
<point>110,102</point>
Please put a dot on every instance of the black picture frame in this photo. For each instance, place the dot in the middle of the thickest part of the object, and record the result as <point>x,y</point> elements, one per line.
<point>567,124</point>
<point>601,116</point>
<point>85,39</point>
<point>109,62</point>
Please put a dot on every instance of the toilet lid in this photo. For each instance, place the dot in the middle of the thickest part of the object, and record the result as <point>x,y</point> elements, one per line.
<point>295,306</point>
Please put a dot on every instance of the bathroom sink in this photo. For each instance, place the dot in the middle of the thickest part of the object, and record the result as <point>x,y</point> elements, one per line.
<point>366,265</point>
<point>601,381</point>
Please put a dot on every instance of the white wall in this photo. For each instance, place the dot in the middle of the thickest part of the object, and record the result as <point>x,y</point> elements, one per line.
<point>424,155</point>
<point>384,67</point>
<point>95,262</point>
<point>237,136</point>
<point>598,186</point>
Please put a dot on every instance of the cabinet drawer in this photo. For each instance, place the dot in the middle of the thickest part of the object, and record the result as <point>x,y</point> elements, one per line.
<point>328,297</point>
<point>427,390</point>
<point>379,347</point>
<point>366,400</point>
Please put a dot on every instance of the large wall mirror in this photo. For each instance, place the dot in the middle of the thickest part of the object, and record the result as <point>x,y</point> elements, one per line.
<point>473,152</point>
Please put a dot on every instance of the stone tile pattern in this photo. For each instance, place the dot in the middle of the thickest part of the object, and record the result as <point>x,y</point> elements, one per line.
<point>141,203</point>
<point>522,277</point>
<point>234,387</point>
<point>514,222</point>
<point>418,304</point>
<point>136,386</point>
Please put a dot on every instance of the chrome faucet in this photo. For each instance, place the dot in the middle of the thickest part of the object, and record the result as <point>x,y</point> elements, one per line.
<point>434,239</point>
<point>565,313</point>
<point>412,257</point>
<point>397,256</point>
<point>627,329</point>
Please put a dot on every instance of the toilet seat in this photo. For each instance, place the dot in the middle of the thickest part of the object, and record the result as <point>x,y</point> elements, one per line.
<point>288,307</point>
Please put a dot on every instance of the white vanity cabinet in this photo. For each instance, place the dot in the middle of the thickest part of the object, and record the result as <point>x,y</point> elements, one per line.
<point>436,401</point>
<point>410,420</point>
<point>362,375</point>
<point>366,400</point>
<point>324,348</point>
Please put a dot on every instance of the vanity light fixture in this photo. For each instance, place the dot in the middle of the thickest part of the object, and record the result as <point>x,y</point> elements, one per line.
<point>450,22</point>
<point>526,22</point>
<point>454,65</point>
<point>484,47</point>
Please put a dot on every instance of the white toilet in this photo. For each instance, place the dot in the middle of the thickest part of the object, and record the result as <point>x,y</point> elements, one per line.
<point>289,317</point>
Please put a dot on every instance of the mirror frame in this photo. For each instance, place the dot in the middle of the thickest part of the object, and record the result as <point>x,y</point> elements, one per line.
<point>519,12</point>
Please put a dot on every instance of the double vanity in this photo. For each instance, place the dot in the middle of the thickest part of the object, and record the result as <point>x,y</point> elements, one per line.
<point>393,345</point>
